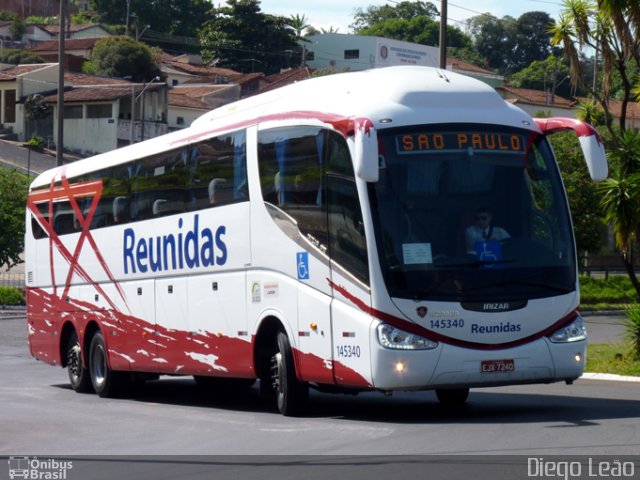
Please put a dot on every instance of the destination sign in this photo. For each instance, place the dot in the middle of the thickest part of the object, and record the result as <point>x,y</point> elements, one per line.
<point>451,142</point>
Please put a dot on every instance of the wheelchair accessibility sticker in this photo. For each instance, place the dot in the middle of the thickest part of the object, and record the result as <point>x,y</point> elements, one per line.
<point>302,261</point>
<point>490,253</point>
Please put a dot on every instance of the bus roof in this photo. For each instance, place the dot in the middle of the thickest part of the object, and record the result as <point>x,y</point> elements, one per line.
<point>389,97</point>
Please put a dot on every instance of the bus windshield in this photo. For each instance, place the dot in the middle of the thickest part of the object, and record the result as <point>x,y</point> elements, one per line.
<point>471,213</point>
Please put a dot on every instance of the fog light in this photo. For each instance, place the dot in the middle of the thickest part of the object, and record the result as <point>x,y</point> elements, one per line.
<point>578,357</point>
<point>400,367</point>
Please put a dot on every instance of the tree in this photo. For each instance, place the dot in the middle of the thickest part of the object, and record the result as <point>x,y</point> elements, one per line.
<point>375,14</point>
<point>493,38</point>
<point>245,39</point>
<point>584,199</point>
<point>122,56</point>
<point>13,198</point>
<point>407,21</point>
<point>509,45</point>
<point>299,23</point>
<point>176,17</point>
<point>611,29</point>
<point>548,75</point>
<point>17,57</point>
<point>35,109</point>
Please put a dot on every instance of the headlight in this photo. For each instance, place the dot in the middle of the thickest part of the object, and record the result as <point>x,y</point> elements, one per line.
<point>574,332</point>
<point>392,337</point>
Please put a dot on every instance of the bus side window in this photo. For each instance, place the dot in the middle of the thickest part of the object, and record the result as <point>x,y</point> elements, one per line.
<point>217,172</point>
<point>158,185</point>
<point>292,164</point>
<point>347,242</point>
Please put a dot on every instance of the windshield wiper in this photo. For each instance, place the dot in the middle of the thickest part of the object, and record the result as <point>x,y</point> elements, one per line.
<point>475,263</point>
<point>523,281</point>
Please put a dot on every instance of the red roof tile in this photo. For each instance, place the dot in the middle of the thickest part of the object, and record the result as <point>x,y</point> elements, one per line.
<point>12,73</point>
<point>69,44</point>
<point>538,97</point>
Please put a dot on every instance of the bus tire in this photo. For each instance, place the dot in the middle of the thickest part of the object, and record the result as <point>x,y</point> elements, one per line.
<point>281,384</point>
<point>106,382</point>
<point>79,377</point>
<point>452,396</point>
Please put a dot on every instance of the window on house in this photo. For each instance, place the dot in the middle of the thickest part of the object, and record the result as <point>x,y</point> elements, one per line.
<point>99,111</point>
<point>73,111</point>
<point>10,106</point>
<point>351,54</point>
<point>180,120</point>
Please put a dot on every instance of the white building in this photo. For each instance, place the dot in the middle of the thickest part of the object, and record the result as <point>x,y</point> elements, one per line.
<point>360,52</point>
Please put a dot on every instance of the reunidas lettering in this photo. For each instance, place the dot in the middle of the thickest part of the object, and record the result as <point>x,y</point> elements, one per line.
<point>191,248</point>
<point>502,328</point>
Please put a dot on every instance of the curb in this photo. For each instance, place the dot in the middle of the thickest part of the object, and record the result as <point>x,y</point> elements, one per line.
<point>609,377</point>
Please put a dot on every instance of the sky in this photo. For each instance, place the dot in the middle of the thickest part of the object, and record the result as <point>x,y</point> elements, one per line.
<point>339,13</point>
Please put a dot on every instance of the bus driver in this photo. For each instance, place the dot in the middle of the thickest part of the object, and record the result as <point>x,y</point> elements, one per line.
<point>483,230</point>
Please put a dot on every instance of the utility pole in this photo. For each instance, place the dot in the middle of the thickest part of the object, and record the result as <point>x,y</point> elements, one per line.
<point>443,34</point>
<point>60,112</point>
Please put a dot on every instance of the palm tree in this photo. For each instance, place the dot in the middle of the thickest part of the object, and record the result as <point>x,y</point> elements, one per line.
<point>611,28</point>
<point>299,24</point>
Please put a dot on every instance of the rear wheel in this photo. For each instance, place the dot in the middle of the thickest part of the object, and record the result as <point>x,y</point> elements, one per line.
<point>106,382</point>
<point>78,374</point>
<point>279,381</point>
<point>452,396</point>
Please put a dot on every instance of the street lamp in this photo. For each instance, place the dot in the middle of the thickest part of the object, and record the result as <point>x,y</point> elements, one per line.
<point>134,99</point>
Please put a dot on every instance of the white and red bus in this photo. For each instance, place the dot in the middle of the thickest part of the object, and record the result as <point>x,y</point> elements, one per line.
<point>314,236</point>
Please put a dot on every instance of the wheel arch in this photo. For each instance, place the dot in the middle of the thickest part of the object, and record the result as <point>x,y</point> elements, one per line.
<point>65,334</point>
<point>265,338</point>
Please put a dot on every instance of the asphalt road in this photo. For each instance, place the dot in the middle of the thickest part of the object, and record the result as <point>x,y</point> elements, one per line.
<point>41,415</point>
<point>14,154</point>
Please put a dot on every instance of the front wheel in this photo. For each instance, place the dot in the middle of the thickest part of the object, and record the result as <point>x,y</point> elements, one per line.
<point>79,377</point>
<point>280,380</point>
<point>106,382</point>
<point>452,396</point>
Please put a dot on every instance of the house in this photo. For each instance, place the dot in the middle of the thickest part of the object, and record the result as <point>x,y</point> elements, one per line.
<point>360,52</point>
<point>76,51</point>
<point>479,73</point>
<point>87,30</point>
<point>98,112</point>
<point>285,77</point>
<point>190,69</point>
<point>17,82</point>
<point>535,101</point>
<point>187,102</point>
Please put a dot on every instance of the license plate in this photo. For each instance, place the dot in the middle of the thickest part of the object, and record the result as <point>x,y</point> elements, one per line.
<point>497,366</point>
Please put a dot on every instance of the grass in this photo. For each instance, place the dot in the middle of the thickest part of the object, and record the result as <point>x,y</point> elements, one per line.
<point>615,358</point>
<point>614,293</point>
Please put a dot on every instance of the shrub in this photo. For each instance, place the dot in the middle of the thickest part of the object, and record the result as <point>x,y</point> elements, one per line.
<point>632,329</point>
<point>36,142</point>
<point>11,296</point>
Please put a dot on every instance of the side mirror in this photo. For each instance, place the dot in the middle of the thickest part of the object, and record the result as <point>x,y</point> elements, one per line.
<point>590,142</point>
<point>365,161</point>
